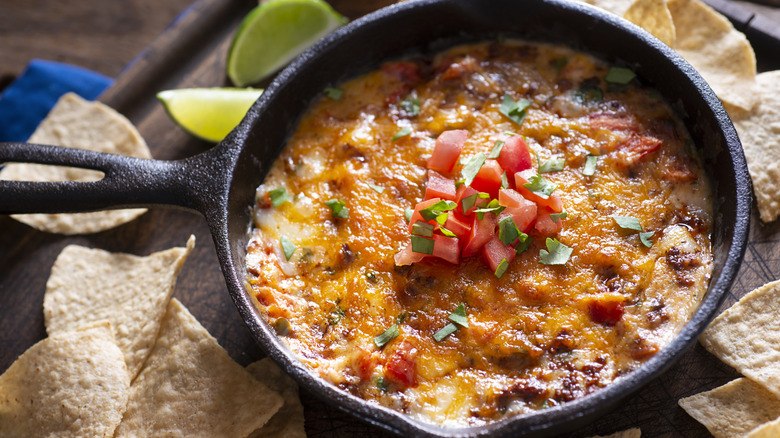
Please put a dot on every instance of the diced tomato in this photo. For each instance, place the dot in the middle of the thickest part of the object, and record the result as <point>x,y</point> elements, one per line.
<point>545,224</point>
<point>494,252</point>
<point>406,256</point>
<point>439,186</point>
<point>488,178</point>
<point>446,248</point>
<point>515,155</point>
<point>553,202</point>
<point>458,224</point>
<point>636,148</point>
<point>612,122</point>
<point>524,215</point>
<point>404,71</point>
<point>606,309</point>
<point>510,198</point>
<point>465,191</point>
<point>363,363</point>
<point>481,233</point>
<point>416,215</point>
<point>448,146</point>
<point>400,367</point>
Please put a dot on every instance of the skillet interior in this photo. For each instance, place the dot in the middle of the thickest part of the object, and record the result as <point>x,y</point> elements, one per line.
<point>429,26</point>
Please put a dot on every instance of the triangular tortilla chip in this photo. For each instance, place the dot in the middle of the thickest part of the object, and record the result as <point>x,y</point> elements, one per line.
<point>288,422</point>
<point>654,17</point>
<point>766,430</point>
<point>747,336</point>
<point>191,387</point>
<point>720,53</point>
<point>617,7</point>
<point>129,291</point>
<point>71,384</point>
<point>77,123</point>
<point>733,409</point>
<point>759,132</point>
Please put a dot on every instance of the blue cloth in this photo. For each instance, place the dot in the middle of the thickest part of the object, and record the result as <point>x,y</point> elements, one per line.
<point>27,100</point>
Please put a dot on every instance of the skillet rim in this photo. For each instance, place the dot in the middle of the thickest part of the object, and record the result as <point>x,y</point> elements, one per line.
<point>230,249</point>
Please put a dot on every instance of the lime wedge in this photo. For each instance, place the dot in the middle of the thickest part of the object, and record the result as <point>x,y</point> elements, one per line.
<point>274,33</point>
<point>208,113</point>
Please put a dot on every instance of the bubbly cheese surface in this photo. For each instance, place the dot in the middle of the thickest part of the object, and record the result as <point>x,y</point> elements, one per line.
<point>535,337</point>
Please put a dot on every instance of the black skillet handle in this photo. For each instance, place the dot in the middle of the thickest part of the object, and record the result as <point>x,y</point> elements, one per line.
<point>127,181</point>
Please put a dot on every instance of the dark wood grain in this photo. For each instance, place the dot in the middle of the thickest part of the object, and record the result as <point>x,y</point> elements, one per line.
<point>191,53</point>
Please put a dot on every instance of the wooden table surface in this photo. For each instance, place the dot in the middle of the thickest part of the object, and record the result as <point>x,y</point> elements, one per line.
<point>106,36</point>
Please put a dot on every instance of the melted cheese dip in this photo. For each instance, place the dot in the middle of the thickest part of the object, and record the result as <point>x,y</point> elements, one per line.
<point>536,337</point>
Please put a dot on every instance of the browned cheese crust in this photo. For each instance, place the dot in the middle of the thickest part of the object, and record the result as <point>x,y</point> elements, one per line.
<point>532,339</point>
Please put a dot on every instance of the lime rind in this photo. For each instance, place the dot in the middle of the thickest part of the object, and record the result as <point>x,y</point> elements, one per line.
<point>208,113</point>
<point>274,33</point>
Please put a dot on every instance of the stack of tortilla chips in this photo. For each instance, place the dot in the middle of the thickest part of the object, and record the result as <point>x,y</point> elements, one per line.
<point>123,358</point>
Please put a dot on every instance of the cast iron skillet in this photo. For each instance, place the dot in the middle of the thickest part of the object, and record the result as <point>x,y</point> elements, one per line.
<point>220,183</point>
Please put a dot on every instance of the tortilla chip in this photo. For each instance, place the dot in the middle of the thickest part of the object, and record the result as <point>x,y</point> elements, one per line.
<point>617,7</point>
<point>767,430</point>
<point>759,131</point>
<point>747,336</point>
<point>733,409</point>
<point>77,123</point>
<point>721,54</point>
<point>654,17</point>
<point>71,384</point>
<point>189,386</point>
<point>130,291</point>
<point>288,422</point>
<point>629,433</point>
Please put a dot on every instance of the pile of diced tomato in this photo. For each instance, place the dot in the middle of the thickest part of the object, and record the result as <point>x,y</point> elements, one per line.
<point>461,229</point>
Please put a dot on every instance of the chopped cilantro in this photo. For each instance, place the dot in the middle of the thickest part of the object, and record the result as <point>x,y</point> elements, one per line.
<point>421,228</point>
<point>514,111</point>
<point>590,165</point>
<point>376,188</point>
<point>458,316</point>
<point>386,336</point>
<point>492,207</point>
<point>552,165</point>
<point>525,243</point>
<point>278,196</point>
<point>508,231</point>
<point>337,208</point>
<point>444,332</point>
<point>645,238</point>
<point>288,247</point>
<point>504,181</point>
<point>411,105</point>
<point>558,216</point>
<point>540,186</point>
<point>496,151</point>
<point>433,211</point>
<point>447,232</point>
<point>334,93</point>
<point>589,91</point>
<point>381,384</point>
<point>468,202</point>
<point>472,167</point>
<point>619,75</point>
<point>422,245</point>
<point>556,253</point>
<point>501,269</point>
<point>628,223</point>
<point>402,133</point>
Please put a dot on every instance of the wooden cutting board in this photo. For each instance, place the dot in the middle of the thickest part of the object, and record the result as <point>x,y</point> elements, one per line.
<point>192,53</point>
